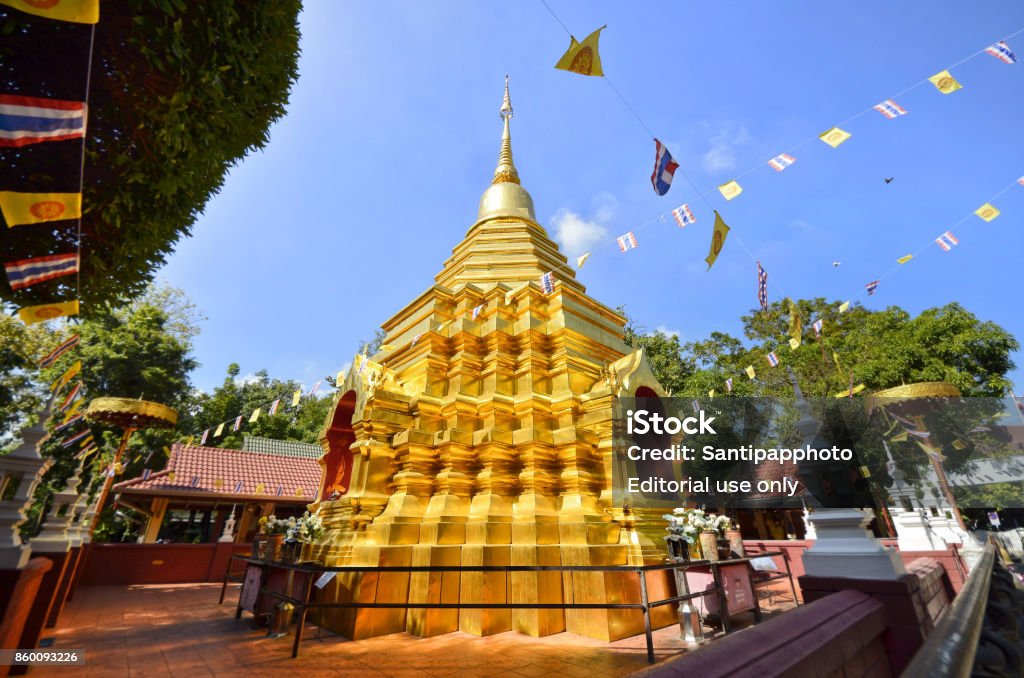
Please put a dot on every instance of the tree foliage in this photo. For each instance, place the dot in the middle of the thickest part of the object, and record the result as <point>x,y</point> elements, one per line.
<point>178,94</point>
<point>236,397</point>
<point>880,349</point>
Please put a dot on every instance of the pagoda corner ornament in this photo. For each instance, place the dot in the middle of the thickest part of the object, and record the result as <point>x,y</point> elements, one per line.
<point>487,441</point>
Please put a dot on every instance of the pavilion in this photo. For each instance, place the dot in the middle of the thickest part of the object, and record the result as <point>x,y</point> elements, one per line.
<point>190,500</point>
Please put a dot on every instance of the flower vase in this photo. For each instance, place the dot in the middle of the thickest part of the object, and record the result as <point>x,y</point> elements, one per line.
<point>694,550</point>
<point>274,543</point>
<point>724,549</point>
<point>678,550</point>
<point>735,543</point>
<point>709,545</point>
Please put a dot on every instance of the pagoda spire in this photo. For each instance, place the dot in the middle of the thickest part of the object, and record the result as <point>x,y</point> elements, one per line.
<point>506,170</point>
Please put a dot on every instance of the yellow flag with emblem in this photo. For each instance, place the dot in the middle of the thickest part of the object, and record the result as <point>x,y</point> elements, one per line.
<point>835,136</point>
<point>219,431</point>
<point>796,323</point>
<point>945,82</point>
<point>730,189</point>
<point>750,371</point>
<point>987,212</point>
<point>254,416</point>
<point>30,315</point>
<point>717,240</point>
<point>582,57</point>
<point>296,397</point>
<point>77,11</point>
<point>35,208</point>
<point>68,375</point>
<point>844,307</point>
<point>904,259</point>
<point>580,260</point>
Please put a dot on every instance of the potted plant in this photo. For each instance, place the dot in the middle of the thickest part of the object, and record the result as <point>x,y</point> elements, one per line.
<point>304,532</point>
<point>275,530</point>
<point>681,535</point>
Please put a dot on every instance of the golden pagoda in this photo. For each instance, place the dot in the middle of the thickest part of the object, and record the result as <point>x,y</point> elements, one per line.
<point>481,434</point>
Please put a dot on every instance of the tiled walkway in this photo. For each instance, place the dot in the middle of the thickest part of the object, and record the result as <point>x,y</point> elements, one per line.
<point>180,630</point>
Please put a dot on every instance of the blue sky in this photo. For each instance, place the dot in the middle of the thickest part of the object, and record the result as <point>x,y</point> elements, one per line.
<point>393,131</point>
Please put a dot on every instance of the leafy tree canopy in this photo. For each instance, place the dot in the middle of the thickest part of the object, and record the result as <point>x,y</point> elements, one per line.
<point>178,94</point>
<point>880,349</point>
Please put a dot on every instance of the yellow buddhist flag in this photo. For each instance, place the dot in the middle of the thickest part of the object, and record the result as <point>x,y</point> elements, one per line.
<point>219,431</point>
<point>945,82</point>
<point>794,343</point>
<point>298,491</point>
<point>260,487</point>
<point>297,396</point>
<point>68,375</point>
<point>78,11</point>
<point>34,208</point>
<point>904,259</point>
<point>171,476</point>
<point>796,322</point>
<point>254,416</point>
<point>339,378</point>
<point>218,483</point>
<point>929,450</point>
<point>835,136</point>
<point>30,315</point>
<point>580,259</point>
<point>188,443</point>
<point>835,359</point>
<point>750,371</point>
<point>717,240</point>
<point>582,57</point>
<point>987,212</point>
<point>958,444</point>
<point>844,307</point>
<point>386,347</point>
<point>730,189</point>
<point>899,437</point>
<point>864,471</point>
<point>851,391</point>
<point>711,393</point>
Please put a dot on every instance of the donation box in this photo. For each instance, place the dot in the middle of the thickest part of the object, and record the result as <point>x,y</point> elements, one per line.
<point>739,593</point>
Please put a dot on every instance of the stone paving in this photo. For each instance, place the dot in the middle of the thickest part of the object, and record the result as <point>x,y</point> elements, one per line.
<point>180,630</point>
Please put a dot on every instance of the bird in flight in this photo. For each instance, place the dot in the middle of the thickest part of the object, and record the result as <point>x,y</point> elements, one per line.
<point>889,179</point>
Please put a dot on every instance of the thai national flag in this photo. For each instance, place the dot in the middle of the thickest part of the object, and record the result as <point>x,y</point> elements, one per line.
<point>146,473</point>
<point>76,438</point>
<point>238,487</point>
<point>762,286</point>
<point>871,287</point>
<point>32,120</point>
<point>773,359</point>
<point>206,434</point>
<point>947,240</point>
<point>817,327</point>
<point>781,162</point>
<point>25,272</point>
<point>728,384</point>
<point>273,406</point>
<point>52,357</point>
<point>664,168</point>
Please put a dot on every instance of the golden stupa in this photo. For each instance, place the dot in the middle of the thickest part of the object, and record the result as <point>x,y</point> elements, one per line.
<point>482,435</point>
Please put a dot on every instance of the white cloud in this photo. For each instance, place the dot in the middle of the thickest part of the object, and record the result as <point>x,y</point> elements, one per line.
<point>250,378</point>
<point>577,235</point>
<point>721,157</point>
<point>665,330</point>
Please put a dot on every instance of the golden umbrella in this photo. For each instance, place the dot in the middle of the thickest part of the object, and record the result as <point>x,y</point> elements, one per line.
<point>128,415</point>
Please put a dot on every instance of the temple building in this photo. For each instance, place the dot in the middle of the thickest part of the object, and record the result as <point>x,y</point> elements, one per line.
<point>483,436</point>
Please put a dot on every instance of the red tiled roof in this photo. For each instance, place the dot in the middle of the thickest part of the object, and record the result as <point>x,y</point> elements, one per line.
<point>197,470</point>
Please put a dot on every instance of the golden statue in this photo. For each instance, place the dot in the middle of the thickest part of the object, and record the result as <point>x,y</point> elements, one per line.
<point>489,444</point>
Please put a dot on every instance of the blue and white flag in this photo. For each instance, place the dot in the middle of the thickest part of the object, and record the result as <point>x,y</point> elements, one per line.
<point>664,168</point>
<point>65,346</point>
<point>781,162</point>
<point>25,272</point>
<point>683,216</point>
<point>728,384</point>
<point>238,487</point>
<point>1001,51</point>
<point>82,435</point>
<point>146,473</point>
<point>547,283</point>
<point>890,109</point>
<point>773,359</point>
<point>947,241</point>
<point>627,241</point>
<point>871,287</point>
<point>33,120</point>
<point>818,324</point>
<point>69,423</point>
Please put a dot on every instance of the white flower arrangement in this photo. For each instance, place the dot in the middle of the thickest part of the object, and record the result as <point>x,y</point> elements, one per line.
<point>307,529</point>
<point>687,524</point>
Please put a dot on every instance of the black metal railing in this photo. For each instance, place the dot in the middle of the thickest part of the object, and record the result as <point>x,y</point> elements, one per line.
<point>305,602</point>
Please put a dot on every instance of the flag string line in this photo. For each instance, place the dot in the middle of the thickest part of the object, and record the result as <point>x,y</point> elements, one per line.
<point>81,167</point>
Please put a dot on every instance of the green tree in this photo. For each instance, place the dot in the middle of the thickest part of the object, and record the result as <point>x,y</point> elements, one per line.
<point>179,93</point>
<point>20,392</point>
<point>880,349</point>
<point>240,397</point>
<point>142,350</point>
